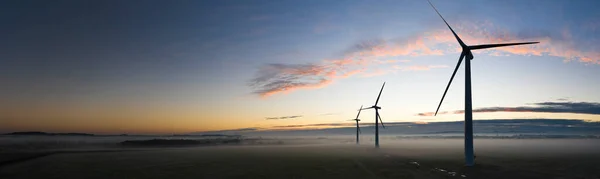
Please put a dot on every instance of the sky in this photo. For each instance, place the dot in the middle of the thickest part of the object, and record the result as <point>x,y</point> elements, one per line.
<point>160,67</point>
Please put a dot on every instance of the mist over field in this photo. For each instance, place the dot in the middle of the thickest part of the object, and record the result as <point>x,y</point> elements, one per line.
<point>516,128</point>
<point>503,149</point>
<point>323,158</point>
<point>393,133</point>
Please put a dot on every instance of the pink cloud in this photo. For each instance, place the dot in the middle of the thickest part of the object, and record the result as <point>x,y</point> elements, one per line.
<point>488,33</point>
<point>290,87</point>
<point>392,61</point>
<point>431,113</point>
<point>377,72</point>
<point>419,67</point>
<point>284,78</point>
<point>351,73</point>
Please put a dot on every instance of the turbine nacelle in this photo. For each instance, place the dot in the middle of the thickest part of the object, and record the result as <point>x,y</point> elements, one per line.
<point>468,54</point>
<point>372,107</point>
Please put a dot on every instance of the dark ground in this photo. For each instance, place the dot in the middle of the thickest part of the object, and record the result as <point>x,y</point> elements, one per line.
<point>499,160</point>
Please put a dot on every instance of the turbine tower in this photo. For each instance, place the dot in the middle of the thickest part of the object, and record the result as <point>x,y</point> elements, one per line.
<point>466,52</point>
<point>377,117</point>
<point>357,127</point>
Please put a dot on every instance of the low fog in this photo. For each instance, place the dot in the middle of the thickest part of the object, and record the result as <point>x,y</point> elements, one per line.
<point>288,157</point>
<point>389,143</point>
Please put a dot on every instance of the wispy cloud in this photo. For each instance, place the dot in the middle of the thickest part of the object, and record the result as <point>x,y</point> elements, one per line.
<point>347,124</point>
<point>282,117</point>
<point>249,129</point>
<point>559,45</point>
<point>377,72</point>
<point>547,107</point>
<point>284,78</point>
<point>329,114</point>
<point>418,67</point>
<point>316,125</point>
<point>392,61</point>
<point>431,113</point>
<point>562,99</point>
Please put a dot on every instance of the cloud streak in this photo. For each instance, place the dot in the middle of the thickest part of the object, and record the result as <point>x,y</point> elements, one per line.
<point>282,117</point>
<point>350,124</point>
<point>419,67</point>
<point>285,78</point>
<point>431,113</point>
<point>547,107</point>
<point>329,114</point>
<point>282,78</point>
<point>249,129</point>
<point>316,125</point>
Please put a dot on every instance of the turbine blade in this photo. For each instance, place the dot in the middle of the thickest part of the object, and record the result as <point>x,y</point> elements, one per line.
<point>462,55</point>
<point>462,44</point>
<point>484,46</point>
<point>359,111</point>
<point>378,116</point>
<point>379,94</point>
<point>359,131</point>
<point>367,108</point>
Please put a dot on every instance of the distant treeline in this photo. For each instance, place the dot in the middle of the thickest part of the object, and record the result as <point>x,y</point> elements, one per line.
<point>49,134</point>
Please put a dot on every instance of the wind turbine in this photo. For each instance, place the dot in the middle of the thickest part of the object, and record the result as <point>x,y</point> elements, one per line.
<point>466,52</point>
<point>377,117</point>
<point>357,127</point>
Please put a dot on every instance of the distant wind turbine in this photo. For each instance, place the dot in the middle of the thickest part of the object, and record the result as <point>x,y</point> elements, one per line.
<point>377,117</point>
<point>466,52</point>
<point>357,126</point>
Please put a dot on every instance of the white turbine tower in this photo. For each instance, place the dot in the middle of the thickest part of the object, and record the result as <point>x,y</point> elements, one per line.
<point>466,52</point>
<point>377,117</point>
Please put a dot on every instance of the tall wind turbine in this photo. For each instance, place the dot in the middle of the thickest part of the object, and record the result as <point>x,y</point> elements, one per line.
<point>466,52</point>
<point>357,127</point>
<point>377,117</point>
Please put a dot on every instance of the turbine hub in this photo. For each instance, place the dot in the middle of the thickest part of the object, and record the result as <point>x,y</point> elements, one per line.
<point>376,107</point>
<point>467,52</point>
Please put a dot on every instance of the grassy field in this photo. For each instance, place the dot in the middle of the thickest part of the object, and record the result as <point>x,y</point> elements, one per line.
<point>316,161</point>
